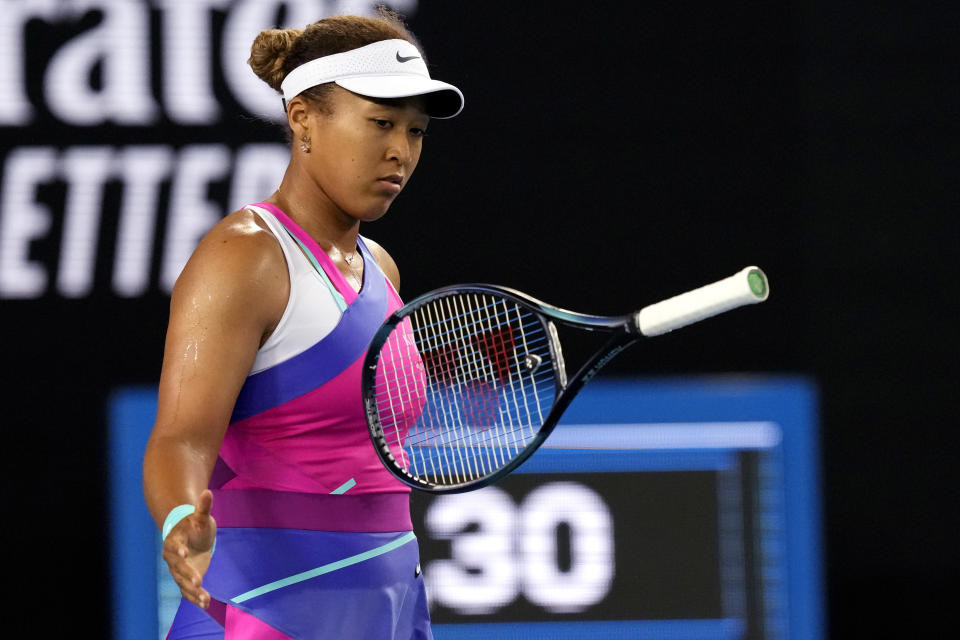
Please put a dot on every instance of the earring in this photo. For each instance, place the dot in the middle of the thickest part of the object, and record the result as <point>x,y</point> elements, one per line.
<point>305,144</point>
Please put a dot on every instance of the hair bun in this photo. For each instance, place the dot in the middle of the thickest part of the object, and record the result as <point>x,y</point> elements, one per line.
<point>268,53</point>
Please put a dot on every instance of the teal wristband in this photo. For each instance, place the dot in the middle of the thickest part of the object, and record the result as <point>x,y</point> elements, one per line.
<point>177,514</point>
<point>174,517</point>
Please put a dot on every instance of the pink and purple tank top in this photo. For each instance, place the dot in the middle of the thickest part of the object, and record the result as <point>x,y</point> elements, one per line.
<point>298,430</point>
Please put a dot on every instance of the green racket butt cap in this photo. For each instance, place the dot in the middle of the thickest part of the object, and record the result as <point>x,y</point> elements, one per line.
<point>757,281</point>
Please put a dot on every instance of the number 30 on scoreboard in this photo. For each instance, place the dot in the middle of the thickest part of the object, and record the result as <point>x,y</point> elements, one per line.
<point>555,548</point>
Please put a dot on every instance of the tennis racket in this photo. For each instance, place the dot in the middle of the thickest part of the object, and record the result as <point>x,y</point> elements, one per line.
<point>464,383</point>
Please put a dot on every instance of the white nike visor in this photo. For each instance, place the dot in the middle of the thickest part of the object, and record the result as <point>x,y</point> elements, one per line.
<point>384,69</point>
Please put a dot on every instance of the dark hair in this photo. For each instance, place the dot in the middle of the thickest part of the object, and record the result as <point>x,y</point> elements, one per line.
<point>277,52</point>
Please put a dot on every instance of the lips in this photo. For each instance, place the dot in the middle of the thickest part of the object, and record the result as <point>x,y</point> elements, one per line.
<point>394,178</point>
<point>392,183</point>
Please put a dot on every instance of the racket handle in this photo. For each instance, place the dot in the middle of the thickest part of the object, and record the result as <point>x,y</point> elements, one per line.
<point>749,286</point>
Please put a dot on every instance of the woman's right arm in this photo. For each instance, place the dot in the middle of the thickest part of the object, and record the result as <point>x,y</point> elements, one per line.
<point>230,295</point>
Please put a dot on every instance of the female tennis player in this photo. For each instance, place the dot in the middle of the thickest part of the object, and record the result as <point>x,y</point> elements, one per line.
<point>279,521</point>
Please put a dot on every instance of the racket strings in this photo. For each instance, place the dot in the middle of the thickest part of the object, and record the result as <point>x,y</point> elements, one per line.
<point>463,386</point>
<point>482,363</point>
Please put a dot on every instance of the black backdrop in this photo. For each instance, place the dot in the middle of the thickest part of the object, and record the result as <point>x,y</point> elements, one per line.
<point>609,154</point>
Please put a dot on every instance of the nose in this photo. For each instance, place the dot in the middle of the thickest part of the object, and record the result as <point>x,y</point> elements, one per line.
<point>400,149</point>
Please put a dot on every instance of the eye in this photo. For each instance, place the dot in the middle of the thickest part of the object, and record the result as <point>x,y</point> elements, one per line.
<point>383,124</point>
<point>417,132</point>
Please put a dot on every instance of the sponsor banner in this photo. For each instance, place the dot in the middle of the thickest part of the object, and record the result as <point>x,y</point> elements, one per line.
<point>127,129</point>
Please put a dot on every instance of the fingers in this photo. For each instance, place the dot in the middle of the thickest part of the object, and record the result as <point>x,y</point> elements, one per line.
<point>186,575</point>
<point>204,503</point>
<point>194,594</point>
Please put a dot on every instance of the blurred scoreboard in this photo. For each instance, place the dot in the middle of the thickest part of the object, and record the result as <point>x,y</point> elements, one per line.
<point>680,509</point>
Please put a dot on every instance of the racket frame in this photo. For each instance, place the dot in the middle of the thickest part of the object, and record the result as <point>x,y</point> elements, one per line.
<point>624,332</point>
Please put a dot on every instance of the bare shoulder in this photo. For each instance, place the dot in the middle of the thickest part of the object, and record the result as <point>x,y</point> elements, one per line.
<point>240,240</point>
<point>241,235</point>
<point>238,261</point>
<point>385,261</point>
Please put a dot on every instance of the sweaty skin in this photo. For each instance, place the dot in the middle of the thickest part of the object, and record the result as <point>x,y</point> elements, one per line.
<point>233,291</point>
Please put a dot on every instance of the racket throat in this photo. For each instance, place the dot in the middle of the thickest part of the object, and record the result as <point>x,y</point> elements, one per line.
<point>559,366</point>
<point>592,368</point>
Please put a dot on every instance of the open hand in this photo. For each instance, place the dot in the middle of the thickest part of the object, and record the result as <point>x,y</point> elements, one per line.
<point>188,548</point>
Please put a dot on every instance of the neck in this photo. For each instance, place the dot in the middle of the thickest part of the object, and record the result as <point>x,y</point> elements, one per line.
<point>303,200</point>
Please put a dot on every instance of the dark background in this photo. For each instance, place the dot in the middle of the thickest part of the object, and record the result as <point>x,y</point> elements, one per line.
<point>611,154</point>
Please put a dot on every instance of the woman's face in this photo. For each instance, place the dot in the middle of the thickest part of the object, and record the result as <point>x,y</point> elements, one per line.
<point>363,152</point>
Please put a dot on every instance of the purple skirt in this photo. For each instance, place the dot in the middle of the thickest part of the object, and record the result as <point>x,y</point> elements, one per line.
<point>310,584</point>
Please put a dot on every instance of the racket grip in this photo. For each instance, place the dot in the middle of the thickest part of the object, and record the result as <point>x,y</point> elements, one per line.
<point>748,286</point>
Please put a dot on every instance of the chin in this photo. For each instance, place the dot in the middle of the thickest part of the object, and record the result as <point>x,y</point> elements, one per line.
<point>373,213</point>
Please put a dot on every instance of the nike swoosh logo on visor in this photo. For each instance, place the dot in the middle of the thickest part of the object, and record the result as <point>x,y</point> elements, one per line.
<point>405,58</point>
